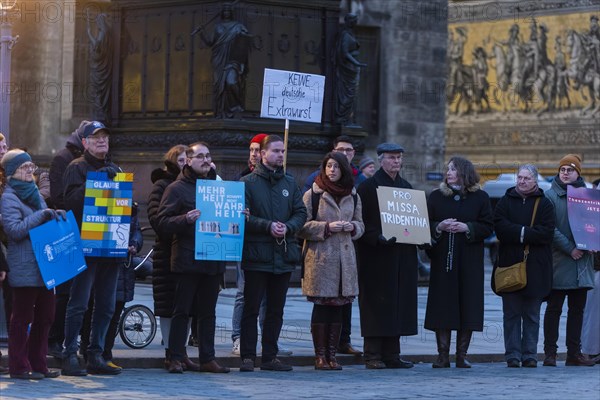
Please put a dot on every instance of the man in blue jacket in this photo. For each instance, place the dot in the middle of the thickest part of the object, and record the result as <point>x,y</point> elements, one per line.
<point>271,251</point>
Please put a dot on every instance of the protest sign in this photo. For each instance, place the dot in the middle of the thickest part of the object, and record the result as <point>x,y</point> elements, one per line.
<point>58,251</point>
<point>404,215</point>
<point>583,208</point>
<point>107,215</point>
<point>292,95</point>
<point>220,228</point>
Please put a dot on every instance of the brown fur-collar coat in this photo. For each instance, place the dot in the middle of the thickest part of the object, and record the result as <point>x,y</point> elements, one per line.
<point>330,262</point>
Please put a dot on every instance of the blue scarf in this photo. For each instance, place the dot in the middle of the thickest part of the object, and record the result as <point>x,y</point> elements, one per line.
<point>27,192</point>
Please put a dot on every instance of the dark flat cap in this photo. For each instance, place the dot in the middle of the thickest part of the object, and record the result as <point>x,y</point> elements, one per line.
<point>389,148</point>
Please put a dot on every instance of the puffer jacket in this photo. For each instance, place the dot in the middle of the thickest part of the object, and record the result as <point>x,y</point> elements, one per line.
<point>272,196</point>
<point>178,199</point>
<point>18,219</point>
<point>330,262</point>
<point>568,273</point>
<point>163,286</point>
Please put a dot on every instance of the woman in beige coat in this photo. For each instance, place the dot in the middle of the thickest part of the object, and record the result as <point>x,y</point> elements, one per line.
<point>330,275</point>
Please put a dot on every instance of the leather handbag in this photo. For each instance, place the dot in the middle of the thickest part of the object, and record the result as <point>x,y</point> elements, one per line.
<point>512,278</point>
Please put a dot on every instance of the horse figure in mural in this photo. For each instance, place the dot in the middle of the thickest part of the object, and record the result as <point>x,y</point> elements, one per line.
<point>472,85</point>
<point>524,71</point>
<point>583,72</point>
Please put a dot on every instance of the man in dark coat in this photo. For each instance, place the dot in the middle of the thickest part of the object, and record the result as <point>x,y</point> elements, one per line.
<point>196,282</point>
<point>101,274</point>
<point>271,251</point>
<point>72,150</point>
<point>387,272</point>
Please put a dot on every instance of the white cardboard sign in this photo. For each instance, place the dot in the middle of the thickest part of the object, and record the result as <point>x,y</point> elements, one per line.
<point>292,95</point>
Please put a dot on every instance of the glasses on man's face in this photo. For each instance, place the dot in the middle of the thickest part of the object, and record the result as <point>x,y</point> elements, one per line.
<point>96,138</point>
<point>201,157</point>
<point>28,167</point>
<point>393,158</point>
<point>344,150</point>
<point>567,171</point>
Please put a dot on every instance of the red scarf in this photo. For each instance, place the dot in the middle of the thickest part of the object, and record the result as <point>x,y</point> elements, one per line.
<point>333,188</point>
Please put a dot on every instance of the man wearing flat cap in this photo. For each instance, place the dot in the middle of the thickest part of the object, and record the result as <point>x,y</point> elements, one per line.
<point>387,273</point>
<point>573,271</point>
<point>101,274</point>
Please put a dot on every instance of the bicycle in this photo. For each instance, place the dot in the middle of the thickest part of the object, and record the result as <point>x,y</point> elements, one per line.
<point>137,325</point>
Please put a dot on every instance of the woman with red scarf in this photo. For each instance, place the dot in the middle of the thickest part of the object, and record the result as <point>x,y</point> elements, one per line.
<point>330,274</point>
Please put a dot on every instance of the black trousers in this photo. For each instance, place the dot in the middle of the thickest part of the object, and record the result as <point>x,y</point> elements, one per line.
<point>57,330</point>
<point>203,289</point>
<point>576,302</point>
<point>382,348</point>
<point>111,335</point>
<point>346,324</point>
<point>258,285</point>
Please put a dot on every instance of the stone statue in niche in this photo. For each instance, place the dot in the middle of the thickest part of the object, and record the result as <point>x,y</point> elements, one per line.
<point>230,44</point>
<point>101,51</point>
<point>347,71</point>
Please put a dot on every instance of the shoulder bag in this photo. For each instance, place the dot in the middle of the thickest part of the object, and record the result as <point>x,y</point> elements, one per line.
<point>513,278</point>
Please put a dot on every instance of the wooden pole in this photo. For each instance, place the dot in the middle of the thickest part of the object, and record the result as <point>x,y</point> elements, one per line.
<point>285,142</point>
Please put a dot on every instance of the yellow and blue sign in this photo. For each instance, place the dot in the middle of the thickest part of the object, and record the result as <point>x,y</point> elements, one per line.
<point>107,215</point>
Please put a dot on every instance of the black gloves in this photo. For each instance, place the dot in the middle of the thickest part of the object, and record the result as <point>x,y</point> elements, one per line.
<point>55,214</point>
<point>382,240</point>
<point>60,214</point>
<point>110,171</point>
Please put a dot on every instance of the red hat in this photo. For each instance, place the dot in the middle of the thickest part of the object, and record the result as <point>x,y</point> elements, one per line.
<point>258,138</point>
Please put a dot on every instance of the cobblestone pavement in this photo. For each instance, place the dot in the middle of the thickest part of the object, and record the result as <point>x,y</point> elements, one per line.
<point>487,380</point>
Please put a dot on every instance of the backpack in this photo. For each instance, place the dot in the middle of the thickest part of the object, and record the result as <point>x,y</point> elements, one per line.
<point>314,201</point>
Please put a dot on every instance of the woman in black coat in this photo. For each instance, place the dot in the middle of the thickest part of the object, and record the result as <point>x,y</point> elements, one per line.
<point>163,287</point>
<point>512,221</point>
<point>460,217</point>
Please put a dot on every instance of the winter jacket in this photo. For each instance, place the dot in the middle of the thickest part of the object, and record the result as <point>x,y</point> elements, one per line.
<point>126,280</point>
<point>178,199</point>
<point>19,219</point>
<point>163,286</point>
<point>73,150</point>
<point>568,273</point>
<point>513,212</point>
<point>456,288</point>
<point>330,262</point>
<point>272,196</point>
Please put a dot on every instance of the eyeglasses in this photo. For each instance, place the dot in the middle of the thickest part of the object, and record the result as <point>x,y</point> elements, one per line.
<point>393,158</point>
<point>344,150</point>
<point>566,170</point>
<point>28,167</point>
<point>97,137</point>
<point>202,157</point>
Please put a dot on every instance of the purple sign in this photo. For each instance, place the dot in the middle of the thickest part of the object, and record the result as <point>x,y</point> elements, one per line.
<point>583,206</point>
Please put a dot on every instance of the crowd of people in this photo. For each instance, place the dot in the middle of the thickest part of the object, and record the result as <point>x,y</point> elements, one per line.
<point>332,228</point>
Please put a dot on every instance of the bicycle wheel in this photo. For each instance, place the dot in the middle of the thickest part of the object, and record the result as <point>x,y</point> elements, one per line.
<point>137,327</point>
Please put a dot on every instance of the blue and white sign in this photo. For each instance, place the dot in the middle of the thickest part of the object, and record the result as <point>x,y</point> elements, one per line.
<point>292,95</point>
<point>220,228</point>
<point>58,250</point>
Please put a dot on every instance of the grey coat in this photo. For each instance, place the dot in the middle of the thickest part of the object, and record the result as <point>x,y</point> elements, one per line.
<point>568,273</point>
<point>18,219</point>
<point>330,262</point>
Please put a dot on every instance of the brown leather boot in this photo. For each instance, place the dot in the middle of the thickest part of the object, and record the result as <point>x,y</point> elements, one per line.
<point>463,339</point>
<point>189,365</point>
<point>443,344</point>
<point>319,335</point>
<point>175,367</point>
<point>333,338</point>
